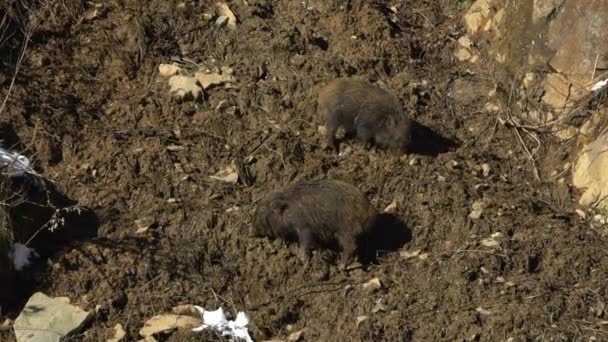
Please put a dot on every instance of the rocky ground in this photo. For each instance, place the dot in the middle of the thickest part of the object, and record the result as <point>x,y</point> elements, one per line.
<point>482,244</point>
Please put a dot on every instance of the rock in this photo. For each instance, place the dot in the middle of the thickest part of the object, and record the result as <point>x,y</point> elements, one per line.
<point>462,54</point>
<point>47,319</point>
<point>208,80</point>
<point>167,70</point>
<point>498,22</point>
<point>578,35</point>
<point>225,11</point>
<point>168,322</point>
<point>119,333</point>
<point>560,92</point>
<point>590,173</point>
<point>542,8</point>
<point>185,87</point>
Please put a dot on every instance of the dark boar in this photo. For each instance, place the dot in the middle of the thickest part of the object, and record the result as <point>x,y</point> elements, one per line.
<point>316,212</point>
<point>371,113</point>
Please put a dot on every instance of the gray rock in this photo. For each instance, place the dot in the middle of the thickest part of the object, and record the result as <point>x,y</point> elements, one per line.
<point>46,319</point>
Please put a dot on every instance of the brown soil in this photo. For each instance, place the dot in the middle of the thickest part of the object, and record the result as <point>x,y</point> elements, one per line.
<point>88,105</point>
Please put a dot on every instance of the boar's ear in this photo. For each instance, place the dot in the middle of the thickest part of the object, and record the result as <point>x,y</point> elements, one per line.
<point>279,206</point>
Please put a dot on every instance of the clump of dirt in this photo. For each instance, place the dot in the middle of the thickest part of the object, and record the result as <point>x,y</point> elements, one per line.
<point>102,126</point>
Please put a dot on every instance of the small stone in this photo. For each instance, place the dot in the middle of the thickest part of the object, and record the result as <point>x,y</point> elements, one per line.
<point>378,307</point>
<point>361,319</point>
<point>223,105</point>
<point>413,162</point>
<point>529,78</point>
<point>409,255</point>
<point>167,70</point>
<point>485,169</point>
<point>373,284</point>
<point>489,242</point>
<point>295,336</point>
<point>464,41</point>
<point>322,130</point>
<point>581,213</point>
<point>473,22</point>
<point>225,11</point>
<point>185,87</point>
<point>462,55</point>
<point>175,148</point>
<point>483,311</point>
<point>227,175</point>
<point>567,133</point>
<point>207,80</point>
<point>474,59</point>
<point>221,21</point>
<point>297,60</point>
<point>119,333</point>
<point>392,207</point>
<point>492,107</point>
<point>477,210</point>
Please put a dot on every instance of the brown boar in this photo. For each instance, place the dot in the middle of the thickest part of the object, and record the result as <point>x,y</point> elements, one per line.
<point>316,212</point>
<point>371,113</point>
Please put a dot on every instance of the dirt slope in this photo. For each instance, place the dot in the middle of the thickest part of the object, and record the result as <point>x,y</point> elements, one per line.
<point>89,105</point>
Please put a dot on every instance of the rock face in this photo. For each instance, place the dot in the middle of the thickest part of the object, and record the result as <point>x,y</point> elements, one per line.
<point>577,35</point>
<point>591,173</point>
<point>46,319</point>
<point>569,38</point>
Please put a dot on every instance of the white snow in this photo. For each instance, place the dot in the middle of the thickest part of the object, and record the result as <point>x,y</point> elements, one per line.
<point>16,163</point>
<point>599,85</point>
<point>217,320</point>
<point>21,255</point>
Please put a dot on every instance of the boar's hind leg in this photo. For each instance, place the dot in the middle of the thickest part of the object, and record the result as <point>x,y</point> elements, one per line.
<point>366,136</point>
<point>305,240</point>
<point>349,248</point>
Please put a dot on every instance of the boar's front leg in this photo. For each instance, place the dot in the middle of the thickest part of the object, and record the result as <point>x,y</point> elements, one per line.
<point>305,240</point>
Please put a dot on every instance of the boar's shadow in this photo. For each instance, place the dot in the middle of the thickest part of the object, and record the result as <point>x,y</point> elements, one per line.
<point>429,143</point>
<point>387,234</point>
